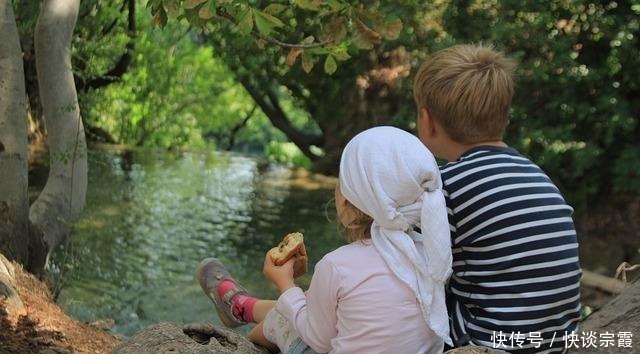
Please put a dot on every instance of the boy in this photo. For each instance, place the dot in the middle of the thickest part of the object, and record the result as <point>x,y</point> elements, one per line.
<point>516,276</point>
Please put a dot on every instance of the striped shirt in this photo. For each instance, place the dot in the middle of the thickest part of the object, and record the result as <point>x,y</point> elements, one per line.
<point>516,276</point>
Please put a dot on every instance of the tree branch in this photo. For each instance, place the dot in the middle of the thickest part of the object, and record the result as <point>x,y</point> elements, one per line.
<point>237,127</point>
<point>123,63</point>
<point>278,118</point>
<point>113,24</point>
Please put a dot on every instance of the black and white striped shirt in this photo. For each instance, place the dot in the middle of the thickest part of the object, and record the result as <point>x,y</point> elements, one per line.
<point>516,274</point>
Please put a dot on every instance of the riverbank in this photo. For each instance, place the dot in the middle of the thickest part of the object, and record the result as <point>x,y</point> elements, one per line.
<point>41,327</point>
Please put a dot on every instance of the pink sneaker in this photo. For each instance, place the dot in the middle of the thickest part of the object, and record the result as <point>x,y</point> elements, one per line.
<point>210,273</point>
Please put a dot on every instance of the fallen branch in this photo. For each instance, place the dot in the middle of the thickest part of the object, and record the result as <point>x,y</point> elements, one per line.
<point>595,280</point>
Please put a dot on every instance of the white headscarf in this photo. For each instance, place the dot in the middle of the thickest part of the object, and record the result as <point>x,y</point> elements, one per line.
<point>391,176</point>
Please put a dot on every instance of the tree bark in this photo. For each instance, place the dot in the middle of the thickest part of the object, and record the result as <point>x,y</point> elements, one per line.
<point>63,197</point>
<point>14,204</point>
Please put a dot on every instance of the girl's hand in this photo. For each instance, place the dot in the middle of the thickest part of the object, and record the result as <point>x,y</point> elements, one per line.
<point>281,276</point>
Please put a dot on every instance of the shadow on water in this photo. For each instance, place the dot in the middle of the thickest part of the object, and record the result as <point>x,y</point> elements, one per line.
<point>151,216</point>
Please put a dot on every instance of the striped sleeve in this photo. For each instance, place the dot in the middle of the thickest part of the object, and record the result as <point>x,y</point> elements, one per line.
<point>515,252</point>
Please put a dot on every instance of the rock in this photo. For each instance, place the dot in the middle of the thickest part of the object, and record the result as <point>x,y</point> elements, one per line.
<point>197,338</point>
<point>8,294</point>
<point>54,350</point>
<point>618,320</point>
<point>105,325</point>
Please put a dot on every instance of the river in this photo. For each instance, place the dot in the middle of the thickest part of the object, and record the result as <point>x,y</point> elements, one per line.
<point>152,215</point>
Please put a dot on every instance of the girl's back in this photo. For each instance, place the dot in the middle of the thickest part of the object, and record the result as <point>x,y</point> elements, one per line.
<point>366,308</point>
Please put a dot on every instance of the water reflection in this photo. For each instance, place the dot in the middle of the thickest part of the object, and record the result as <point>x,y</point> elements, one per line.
<point>151,216</point>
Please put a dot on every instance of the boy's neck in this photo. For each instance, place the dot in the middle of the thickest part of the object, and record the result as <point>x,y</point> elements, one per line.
<point>457,149</point>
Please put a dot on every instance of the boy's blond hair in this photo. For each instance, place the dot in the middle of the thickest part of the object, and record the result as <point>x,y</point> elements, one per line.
<point>468,90</point>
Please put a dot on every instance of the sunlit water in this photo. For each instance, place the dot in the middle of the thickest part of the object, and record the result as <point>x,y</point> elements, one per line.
<point>151,216</point>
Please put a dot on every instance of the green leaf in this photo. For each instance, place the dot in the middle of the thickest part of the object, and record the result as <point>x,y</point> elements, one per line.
<point>265,22</point>
<point>270,18</point>
<point>340,53</point>
<point>330,65</point>
<point>264,27</point>
<point>313,5</point>
<point>160,18</point>
<point>245,21</point>
<point>190,4</point>
<point>335,5</point>
<point>275,9</point>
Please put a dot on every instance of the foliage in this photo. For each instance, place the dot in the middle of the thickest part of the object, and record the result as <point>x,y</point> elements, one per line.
<point>326,28</point>
<point>363,91</point>
<point>286,153</point>
<point>576,109</point>
<point>176,93</point>
<point>159,99</point>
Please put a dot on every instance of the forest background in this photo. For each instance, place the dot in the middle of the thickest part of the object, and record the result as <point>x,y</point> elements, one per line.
<point>231,75</point>
<point>575,111</point>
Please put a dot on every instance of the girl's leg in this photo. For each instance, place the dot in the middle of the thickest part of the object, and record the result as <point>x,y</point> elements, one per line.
<point>278,330</point>
<point>261,308</point>
<point>256,336</point>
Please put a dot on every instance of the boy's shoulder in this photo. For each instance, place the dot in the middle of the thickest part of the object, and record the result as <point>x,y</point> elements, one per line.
<point>481,156</point>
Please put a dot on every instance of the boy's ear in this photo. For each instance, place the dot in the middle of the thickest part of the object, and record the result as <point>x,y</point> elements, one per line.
<point>428,126</point>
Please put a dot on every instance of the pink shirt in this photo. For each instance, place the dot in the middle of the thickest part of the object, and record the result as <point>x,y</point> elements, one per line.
<point>356,305</point>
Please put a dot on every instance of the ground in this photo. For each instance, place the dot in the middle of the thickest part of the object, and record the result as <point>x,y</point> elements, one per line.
<point>45,329</point>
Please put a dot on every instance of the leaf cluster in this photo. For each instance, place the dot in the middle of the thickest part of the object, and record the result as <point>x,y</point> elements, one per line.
<point>329,28</point>
<point>576,110</point>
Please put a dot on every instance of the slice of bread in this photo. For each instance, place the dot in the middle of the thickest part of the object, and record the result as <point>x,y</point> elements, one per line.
<point>291,246</point>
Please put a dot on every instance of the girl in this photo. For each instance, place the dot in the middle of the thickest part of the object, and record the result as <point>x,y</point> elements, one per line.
<point>381,293</point>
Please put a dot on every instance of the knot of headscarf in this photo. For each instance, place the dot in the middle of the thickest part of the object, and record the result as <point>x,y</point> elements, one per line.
<point>391,176</point>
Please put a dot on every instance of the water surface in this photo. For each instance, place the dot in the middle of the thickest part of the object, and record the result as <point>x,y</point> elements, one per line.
<point>151,216</point>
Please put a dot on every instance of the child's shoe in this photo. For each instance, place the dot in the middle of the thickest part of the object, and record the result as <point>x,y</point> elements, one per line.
<point>210,273</point>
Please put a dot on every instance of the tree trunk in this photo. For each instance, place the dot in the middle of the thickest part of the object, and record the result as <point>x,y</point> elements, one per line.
<point>14,204</point>
<point>63,197</point>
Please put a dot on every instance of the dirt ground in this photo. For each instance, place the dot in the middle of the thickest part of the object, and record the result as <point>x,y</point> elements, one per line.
<point>45,329</point>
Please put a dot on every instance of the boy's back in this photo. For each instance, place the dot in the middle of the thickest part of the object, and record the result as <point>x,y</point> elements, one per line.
<point>516,277</point>
<point>515,267</point>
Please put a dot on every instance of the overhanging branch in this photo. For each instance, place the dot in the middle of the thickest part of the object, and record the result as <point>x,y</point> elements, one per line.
<point>123,63</point>
<point>269,103</point>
